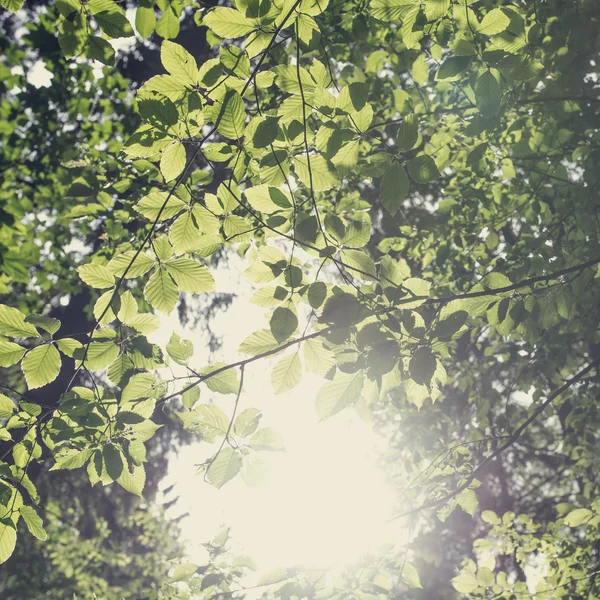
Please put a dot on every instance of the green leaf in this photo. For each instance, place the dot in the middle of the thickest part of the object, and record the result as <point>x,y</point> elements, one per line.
<point>179,350</point>
<point>265,132</point>
<point>246,422</point>
<point>408,133</point>
<point>337,394</point>
<point>48,324</point>
<point>452,68</point>
<point>134,265</point>
<point>317,358</point>
<point>41,366</point>
<point>225,382</point>
<point>411,576</point>
<point>172,161</point>
<point>183,572</point>
<point>422,365</point>
<point>231,116</point>
<point>71,459</point>
<point>317,292</point>
<point>225,467</point>
<point>13,324</point>
<point>179,63</point>
<point>133,481</point>
<point>141,385</point>
<point>10,353</point>
<point>259,342</point>
<point>99,355</point>
<point>393,189</point>
<point>359,264</point>
<point>190,276</point>
<point>228,23</point>
<point>168,25</point>
<point>467,500</point>
<point>493,23</point>
<point>488,95</point>
<point>190,397</point>
<point>113,461</point>
<point>145,18</point>
<point>267,199</point>
<point>422,169</point>
<point>161,291</point>
<point>283,323</point>
<point>465,583</point>
<point>160,206</point>
<point>420,69</point>
<point>100,49</point>
<point>96,276</point>
<point>8,540</point>
<point>7,407</point>
<point>389,10</point>
<point>287,373</point>
<point>485,576</point>
<point>207,420</point>
<point>267,438</point>
<point>34,522</point>
<point>434,9</point>
<point>446,328</point>
<point>144,323</point>
<point>113,23</point>
<point>578,516</point>
<point>321,173</point>
<point>13,6</point>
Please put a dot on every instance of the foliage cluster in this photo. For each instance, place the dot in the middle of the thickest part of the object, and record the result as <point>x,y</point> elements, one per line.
<point>414,188</point>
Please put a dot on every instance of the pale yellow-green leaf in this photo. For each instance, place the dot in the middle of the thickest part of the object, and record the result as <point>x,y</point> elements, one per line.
<point>10,353</point>
<point>493,23</point>
<point>8,541</point>
<point>134,481</point>
<point>246,422</point>
<point>465,583</point>
<point>134,265</point>
<point>230,115</point>
<point>207,420</point>
<point>316,172</point>
<point>172,161</point>
<point>41,366</point>
<point>190,276</point>
<point>96,276</point>
<point>226,466</point>
<point>224,382</point>
<point>258,342</point>
<point>179,63</point>
<point>160,206</point>
<point>184,234</point>
<point>578,516</point>
<point>359,264</point>
<point>7,407</point>
<point>287,373</point>
<point>161,291</point>
<point>335,395</point>
<point>12,323</point>
<point>228,22</point>
<point>420,69</point>
<point>100,355</point>
<point>317,358</point>
<point>267,438</point>
<point>34,522</point>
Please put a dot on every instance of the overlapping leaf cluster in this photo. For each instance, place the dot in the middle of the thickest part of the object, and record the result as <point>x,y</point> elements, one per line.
<point>411,185</point>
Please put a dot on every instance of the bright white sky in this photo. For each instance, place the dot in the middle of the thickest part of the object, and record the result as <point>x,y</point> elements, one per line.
<point>327,500</point>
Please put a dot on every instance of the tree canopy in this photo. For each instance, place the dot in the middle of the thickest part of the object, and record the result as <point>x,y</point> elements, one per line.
<point>412,186</point>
